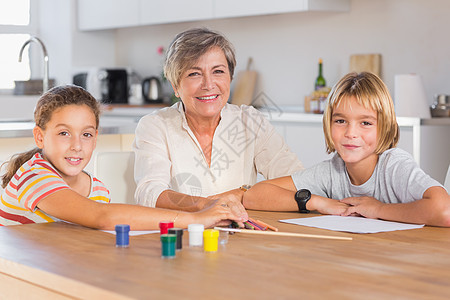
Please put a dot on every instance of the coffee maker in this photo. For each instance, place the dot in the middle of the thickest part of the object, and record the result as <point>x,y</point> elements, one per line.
<point>107,85</point>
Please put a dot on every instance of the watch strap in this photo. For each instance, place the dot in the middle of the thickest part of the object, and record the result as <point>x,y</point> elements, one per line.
<point>302,197</point>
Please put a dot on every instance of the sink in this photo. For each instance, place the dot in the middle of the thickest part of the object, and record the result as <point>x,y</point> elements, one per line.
<point>31,87</point>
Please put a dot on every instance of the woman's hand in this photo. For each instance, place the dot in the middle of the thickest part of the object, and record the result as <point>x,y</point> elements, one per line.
<point>363,206</point>
<point>218,214</point>
<point>232,199</point>
<point>326,206</point>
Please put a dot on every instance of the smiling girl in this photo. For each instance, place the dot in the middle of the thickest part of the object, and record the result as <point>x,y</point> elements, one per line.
<point>48,183</point>
<point>368,176</point>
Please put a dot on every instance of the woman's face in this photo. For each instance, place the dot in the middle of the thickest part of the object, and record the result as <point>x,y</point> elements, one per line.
<point>205,87</point>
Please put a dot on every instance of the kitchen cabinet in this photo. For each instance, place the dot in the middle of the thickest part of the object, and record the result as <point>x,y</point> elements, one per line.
<point>111,14</point>
<point>238,8</point>
<point>107,14</point>
<point>172,11</point>
<point>306,140</point>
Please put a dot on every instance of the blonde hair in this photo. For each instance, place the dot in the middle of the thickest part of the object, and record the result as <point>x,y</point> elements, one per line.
<point>47,104</point>
<point>189,46</point>
<point>370,92</point>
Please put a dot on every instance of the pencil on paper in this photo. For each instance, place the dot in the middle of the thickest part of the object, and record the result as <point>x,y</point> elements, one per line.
<point>316,236</point>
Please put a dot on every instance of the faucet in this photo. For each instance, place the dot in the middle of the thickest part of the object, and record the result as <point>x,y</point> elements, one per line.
<point>44,50</point>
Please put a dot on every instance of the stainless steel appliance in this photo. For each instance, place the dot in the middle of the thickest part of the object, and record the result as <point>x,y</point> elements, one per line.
<point>151,90</point>
<point>441,106</point>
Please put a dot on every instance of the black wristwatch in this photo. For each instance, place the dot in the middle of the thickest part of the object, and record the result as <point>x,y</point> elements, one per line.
<point>302,197</point>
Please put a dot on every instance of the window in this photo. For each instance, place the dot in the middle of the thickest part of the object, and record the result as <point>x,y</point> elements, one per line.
<point>16,27</point>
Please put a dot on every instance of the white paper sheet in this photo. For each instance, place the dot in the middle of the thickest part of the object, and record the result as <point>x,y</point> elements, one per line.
<point>351,224</point>
<point>134,232</point>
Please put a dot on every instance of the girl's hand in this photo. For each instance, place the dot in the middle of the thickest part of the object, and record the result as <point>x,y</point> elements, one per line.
<point>327,206</point>
<point>217,215</point>
<point>363,206</point>
<point>232,199</point>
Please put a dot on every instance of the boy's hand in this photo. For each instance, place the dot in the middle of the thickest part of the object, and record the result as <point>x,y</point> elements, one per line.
<point>326,206</point>
<point>368,207</point>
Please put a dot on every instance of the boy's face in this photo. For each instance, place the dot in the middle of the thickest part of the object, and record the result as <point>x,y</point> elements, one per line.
<point>354,133</point>
<point>69,139</point>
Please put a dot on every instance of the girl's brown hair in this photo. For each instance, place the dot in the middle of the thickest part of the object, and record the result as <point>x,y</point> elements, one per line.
<point>370,92</point>
<point>47,104</point>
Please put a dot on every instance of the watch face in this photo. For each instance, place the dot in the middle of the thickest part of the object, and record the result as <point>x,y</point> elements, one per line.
<point>303,194</point>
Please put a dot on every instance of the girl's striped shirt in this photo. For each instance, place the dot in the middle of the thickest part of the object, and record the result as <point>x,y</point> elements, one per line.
<point>33,181</point>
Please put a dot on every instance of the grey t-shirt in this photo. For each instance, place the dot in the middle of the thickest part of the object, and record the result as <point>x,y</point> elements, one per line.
<point>396,179</point>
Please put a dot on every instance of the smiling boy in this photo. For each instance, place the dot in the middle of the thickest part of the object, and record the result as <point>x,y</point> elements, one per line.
<point>368,176</point>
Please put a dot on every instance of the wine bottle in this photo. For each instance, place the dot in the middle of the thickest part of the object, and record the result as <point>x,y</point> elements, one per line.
<point>320,80</point>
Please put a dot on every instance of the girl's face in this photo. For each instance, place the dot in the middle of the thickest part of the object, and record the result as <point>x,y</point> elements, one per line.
<point>205,87</point>
<point>69,139</point>
<point>354,133</point>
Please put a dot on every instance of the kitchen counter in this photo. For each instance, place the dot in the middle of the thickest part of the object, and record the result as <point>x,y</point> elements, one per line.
<point>18,129</point>
<point>435,121</point>
<point>115,119</point>
<point>123,120</point>
<point>276,114</point>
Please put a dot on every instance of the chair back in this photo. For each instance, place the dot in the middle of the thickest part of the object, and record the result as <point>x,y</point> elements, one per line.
<point>116,171</point>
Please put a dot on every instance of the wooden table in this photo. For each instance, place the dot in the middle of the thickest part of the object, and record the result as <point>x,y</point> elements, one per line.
<point>60,260</point>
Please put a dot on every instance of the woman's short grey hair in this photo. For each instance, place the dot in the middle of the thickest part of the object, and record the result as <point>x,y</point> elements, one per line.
<point>189,46</point>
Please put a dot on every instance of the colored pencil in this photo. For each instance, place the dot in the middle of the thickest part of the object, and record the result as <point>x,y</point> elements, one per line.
<point>261,226</point>
<point>268,226</point>
<point>257,226</point>
<point>284,234</point>
<point>248,225</point>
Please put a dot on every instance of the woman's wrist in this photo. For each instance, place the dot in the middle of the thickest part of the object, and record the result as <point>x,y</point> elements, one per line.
<point>183,219</point>
<point>244,188</point>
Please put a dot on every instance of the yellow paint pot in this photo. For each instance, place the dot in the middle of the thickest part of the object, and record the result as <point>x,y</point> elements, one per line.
<point>210,240</point>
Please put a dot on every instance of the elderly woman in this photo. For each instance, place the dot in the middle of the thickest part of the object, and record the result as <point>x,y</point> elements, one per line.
<point>203,151</point>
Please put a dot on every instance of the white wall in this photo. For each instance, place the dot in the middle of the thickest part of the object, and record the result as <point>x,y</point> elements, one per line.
<point>69,50</point>
<point>411,35</point>
<point>55,32</point>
